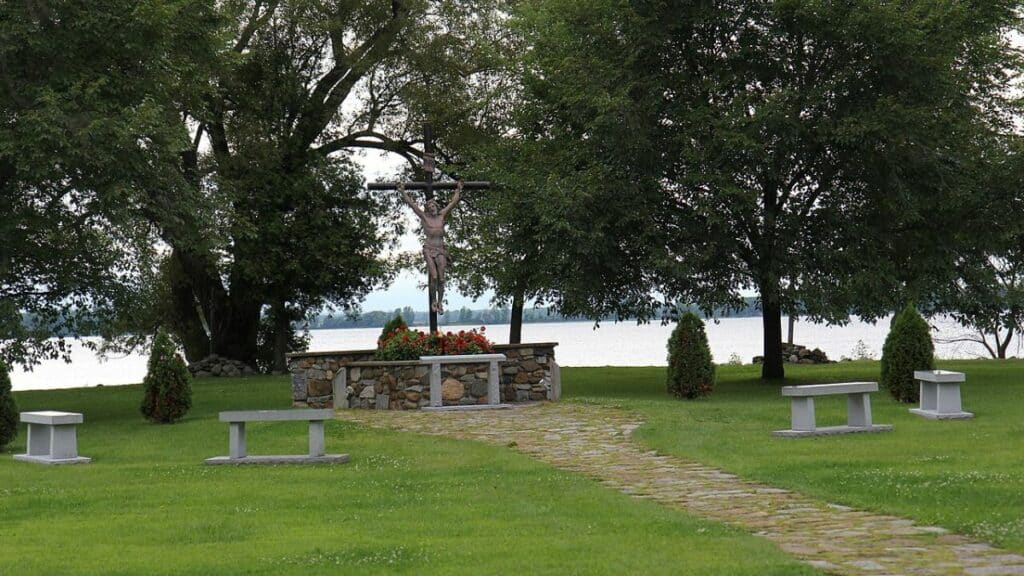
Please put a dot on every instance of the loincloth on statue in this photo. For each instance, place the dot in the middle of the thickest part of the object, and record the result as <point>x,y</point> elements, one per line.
<point>435,251</point>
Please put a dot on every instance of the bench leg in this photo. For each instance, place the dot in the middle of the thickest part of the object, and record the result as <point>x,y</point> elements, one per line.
<point>929,396</point>
<point>858,410</point>
<point>947,398</point>
<point>236,440</point>
<point>493,384</point>
<point>556,381</point>
<point>802,413</point>
<point>435,384</point>
<point>38,440</point>
<point>341,389</point>
<point>63,442</point>
<point>316,438</point>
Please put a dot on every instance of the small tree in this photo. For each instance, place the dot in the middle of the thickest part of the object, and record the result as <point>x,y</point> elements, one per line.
<point>691,374</point>
<point>908,347</point>
<point>8,409</point>
<point>167,383</point>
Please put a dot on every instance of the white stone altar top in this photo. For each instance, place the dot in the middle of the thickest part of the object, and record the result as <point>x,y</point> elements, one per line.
<point>939,376</point>
<point>462,358</point>
<point>51,418</point>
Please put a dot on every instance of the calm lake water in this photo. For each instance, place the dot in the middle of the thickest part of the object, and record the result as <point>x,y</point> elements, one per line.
<point>579,344</point>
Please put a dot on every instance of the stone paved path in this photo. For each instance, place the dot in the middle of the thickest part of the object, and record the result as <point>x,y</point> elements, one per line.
<point>595,441</point>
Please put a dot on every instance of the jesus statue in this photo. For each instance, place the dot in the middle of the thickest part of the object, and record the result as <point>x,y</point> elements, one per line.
<point>434,251</point>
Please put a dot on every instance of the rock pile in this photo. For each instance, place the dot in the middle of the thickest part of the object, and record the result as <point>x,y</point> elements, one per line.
<point>797,354</point>
<point>214,365</point>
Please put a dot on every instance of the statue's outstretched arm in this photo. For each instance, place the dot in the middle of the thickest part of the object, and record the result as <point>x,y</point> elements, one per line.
<point>455,199</point>
<point>415,207</point>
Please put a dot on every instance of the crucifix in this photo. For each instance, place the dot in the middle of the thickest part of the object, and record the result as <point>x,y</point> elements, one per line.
<point>431,221</point>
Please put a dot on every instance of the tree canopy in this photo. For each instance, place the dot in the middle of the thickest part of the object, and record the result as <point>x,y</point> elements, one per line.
<point>86,133</point>
<point>800,148</point>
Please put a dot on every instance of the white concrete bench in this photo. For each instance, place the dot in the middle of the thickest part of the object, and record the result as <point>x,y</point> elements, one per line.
<point>493,380</point>
<point>238,452</point>
<point>52,438</point>
<point>858,406</point>
<point>940,395</point>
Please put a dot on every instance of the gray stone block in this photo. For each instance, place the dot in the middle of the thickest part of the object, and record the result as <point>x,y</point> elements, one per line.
<point>237,445</point>
<point>940,395</point>
<point>52,438</point>
<point>340,388</point>
<point>298,386</point>
<point>478,388</point>
<point>556,381</point>
<point>858,405</point>
<point>470,408</point>
<point>934,415</point>
<point>271,460</point>
<point>832,431</point>
<point>275,415</point>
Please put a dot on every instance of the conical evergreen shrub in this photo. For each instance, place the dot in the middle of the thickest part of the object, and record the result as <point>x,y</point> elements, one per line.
<point>908,347</point>
<point>167,384</point>
<point>691,373</point>
<point>8,409</point>
<point>390,326</point>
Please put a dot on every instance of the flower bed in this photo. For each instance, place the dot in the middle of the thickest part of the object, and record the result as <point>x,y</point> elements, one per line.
<point>404,343</point>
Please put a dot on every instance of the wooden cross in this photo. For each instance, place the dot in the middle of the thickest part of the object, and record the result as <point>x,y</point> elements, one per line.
<point>435,286</point>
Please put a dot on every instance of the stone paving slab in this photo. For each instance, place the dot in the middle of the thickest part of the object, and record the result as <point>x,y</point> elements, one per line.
<point>595,441</point>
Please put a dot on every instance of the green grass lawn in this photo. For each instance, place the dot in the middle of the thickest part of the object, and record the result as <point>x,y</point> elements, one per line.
<point>404,504</point>
<point>967,476</point>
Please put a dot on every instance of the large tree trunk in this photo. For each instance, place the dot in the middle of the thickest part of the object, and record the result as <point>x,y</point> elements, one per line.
<point>185,321</point>
<point>515,331</point>
<point>200,302</point>
<point>1005,344</point>
<point>771,319</point>
<point>232,319</point>
<point>235,326</point>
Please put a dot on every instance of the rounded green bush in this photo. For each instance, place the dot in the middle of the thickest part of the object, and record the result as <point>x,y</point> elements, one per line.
<point>8,409</point>
<point>691,374</point>
<point>908,347</point>
<point>167,385</point>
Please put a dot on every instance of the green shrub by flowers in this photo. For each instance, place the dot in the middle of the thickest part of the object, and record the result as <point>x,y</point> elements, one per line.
<point>390,326</point>
<point>908,347</point>
<point>167,384</point>
<point>8,409</point>
<point>691,373</point>
<point>403,343</point>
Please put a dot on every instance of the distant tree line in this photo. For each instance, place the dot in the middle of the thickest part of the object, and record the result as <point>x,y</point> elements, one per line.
<point>467,316</point>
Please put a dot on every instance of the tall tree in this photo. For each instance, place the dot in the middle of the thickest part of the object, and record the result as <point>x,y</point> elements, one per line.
<point>87,132</point>
<point>987,297</point>
<point>301,86</point>
<point>568,223</point>
<point>794,140</point>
